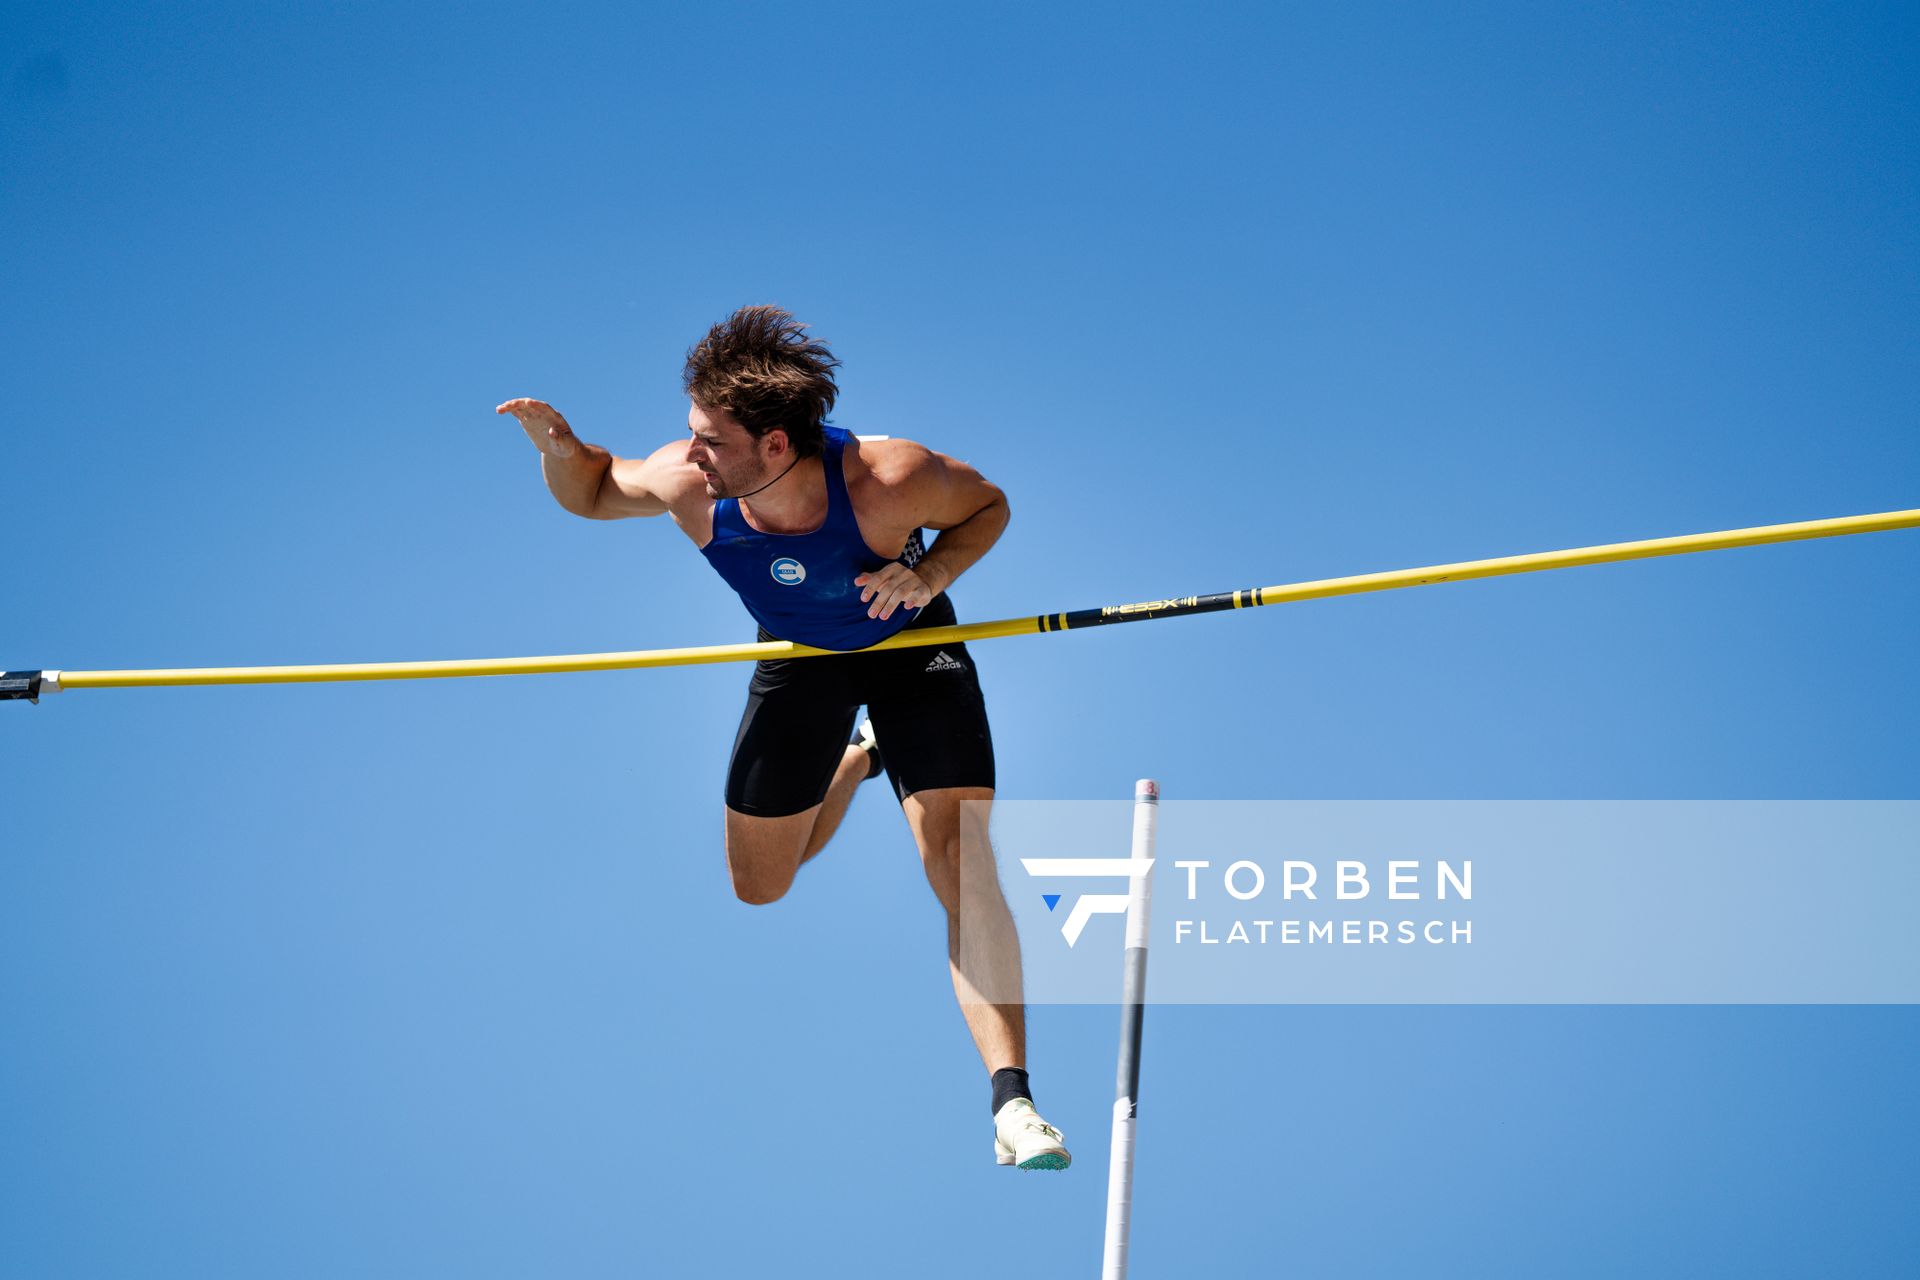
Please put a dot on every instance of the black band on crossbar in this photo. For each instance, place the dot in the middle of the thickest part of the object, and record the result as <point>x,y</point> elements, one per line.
<point>1148,610</point>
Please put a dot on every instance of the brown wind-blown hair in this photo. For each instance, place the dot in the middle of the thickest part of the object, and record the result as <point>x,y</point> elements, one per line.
<point>759,365</point>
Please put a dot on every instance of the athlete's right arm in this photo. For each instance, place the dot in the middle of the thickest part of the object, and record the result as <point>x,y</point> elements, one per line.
<point>584,478</point>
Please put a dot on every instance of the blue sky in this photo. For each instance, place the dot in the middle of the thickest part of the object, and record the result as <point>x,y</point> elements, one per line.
<point>445,977</point>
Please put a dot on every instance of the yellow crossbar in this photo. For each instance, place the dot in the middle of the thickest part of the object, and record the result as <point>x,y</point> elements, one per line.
<point>1246,598</point>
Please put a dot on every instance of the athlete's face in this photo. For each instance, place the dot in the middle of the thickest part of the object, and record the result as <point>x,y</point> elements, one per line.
<point>727,454</point>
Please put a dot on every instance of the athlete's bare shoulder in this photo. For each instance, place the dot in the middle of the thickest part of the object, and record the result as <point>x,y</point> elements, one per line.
<point>647,486</point>
<point>665,481</point>
<point>887,462</point>
<point>672,475</point>
<point>902,484</point>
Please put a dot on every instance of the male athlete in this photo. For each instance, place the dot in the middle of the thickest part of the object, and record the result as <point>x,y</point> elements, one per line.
<point>819,532</point>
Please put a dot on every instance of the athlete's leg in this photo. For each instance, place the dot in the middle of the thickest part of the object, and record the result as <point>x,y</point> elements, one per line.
<point>792,773</point>
<point>765,853</point>
<point>983,949</point>
<point>931,721</point>
<point>852,771</point>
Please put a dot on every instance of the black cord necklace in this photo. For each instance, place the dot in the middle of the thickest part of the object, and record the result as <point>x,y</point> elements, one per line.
<point>776,480</point>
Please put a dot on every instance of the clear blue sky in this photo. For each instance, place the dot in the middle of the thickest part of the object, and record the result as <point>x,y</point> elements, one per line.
<point>445,978</point>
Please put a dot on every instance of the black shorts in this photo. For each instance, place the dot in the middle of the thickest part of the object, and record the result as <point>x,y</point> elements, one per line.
<point>927,711</point>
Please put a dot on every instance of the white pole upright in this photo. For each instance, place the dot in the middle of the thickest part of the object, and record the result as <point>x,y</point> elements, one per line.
<point>1133,996</point>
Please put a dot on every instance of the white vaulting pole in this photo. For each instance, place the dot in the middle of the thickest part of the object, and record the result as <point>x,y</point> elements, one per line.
<point>1133,998</point>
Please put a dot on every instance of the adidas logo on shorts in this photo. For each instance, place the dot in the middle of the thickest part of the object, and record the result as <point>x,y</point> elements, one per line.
<point>941,662</point>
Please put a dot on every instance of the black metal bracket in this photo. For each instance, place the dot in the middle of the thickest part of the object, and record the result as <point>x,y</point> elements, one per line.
<point>20,684</point>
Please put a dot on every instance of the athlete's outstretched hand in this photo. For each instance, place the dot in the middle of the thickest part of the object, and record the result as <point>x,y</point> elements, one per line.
<point>544,426</point>
<point>892,586</point>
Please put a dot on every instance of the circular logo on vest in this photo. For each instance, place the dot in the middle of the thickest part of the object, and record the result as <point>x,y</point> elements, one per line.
<point>789,572</point>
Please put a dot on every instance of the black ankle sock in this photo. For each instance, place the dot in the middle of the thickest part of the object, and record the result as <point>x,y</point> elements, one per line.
<point>1010,1083</point>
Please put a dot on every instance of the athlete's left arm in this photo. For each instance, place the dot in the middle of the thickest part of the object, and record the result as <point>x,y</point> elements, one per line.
<point>924,489</point>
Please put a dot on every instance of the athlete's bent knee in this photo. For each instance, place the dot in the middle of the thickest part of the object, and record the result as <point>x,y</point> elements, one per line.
<point>759,893</point>
<point>761,872</point>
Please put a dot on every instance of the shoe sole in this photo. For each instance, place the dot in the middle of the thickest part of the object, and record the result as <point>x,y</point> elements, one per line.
<point>1044,1160</point>
<point>1047,1160</point>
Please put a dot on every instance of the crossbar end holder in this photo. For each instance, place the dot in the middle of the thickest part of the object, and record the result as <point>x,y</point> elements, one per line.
<point>27,685</point>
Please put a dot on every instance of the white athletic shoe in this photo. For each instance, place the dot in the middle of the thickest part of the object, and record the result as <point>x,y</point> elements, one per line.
<point>863,738</point>
<point>1021,1137</point>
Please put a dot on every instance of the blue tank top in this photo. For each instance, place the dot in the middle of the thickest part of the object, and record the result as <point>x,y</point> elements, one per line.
<point>799,586</point>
